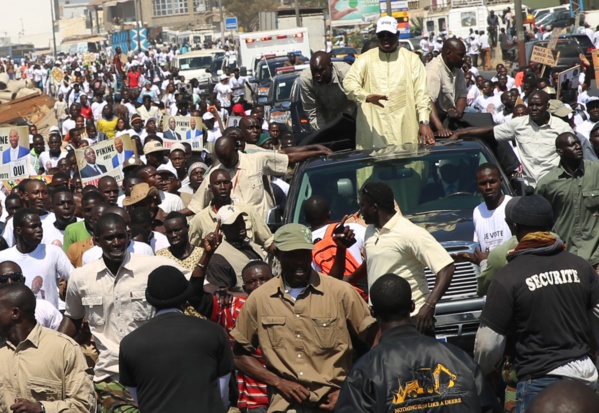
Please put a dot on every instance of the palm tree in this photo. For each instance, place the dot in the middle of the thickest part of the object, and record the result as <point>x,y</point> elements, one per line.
<point>416,26</point>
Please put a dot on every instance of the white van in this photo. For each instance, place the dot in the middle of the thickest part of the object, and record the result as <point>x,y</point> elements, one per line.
<point>196,64</point>
<point>538,13</point>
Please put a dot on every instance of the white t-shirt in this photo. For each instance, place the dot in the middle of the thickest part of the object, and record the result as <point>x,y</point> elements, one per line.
<point>355,250</point>
<point>95,252</point>
<point>159,241</point>
<point>47,221</point>
<point>46,158</point>
<point>484,103</point>
<point>67,125</point>
<point>213,135</point>
<point>97,110</point>
<point>45,264</point>
<point>490,228</point>
<point>170,202</point>
<point>55,235</point>
<point>222,94</point>
<point>47,315</point>
<point>473,93</point>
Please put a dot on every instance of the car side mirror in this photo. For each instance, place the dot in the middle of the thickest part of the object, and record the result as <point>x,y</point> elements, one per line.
<point>274,219</point>
<point>286,105</point>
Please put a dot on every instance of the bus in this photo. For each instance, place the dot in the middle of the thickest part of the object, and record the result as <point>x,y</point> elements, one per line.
<point>17,51</point>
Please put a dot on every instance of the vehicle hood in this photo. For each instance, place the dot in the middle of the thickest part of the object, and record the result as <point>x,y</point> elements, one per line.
<point>446,225</point>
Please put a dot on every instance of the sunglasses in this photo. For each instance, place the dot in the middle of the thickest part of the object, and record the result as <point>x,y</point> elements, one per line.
<point>13,276</point>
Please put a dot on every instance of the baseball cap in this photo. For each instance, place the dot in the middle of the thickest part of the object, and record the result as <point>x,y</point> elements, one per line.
<point>207,116</point>
<point>558,108</point>
<point>223,77</point>
<point>228,214</point>
<point>139,192</point>
<point>293,237</point>
<point>592,102</point>
<point>135,117</point>
<point>386,24</point>
<point>177,147</point>
<point>153,146</point>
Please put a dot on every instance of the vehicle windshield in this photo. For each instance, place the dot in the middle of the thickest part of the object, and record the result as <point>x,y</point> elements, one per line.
<point>568,49</point>
<point>216,65</point>
<point>283,91</point>
<point>195,63</point>
<point>263,69</point>
<point>419,183</point>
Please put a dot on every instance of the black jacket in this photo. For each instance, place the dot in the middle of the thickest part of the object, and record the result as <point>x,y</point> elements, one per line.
<point>411,372</point>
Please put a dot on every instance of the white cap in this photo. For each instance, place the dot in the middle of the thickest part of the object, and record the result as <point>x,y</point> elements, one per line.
<point>207,116</point>
<point>228,214</point>
<point>223,77</point>
<point>386,24</point>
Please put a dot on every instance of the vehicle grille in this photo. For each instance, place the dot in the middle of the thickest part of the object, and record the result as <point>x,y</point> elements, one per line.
<point>463,283</point>
<point>468,329</point>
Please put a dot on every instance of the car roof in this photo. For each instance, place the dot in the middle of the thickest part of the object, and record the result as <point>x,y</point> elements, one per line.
<point>205,52</point>
<point>441,146</point>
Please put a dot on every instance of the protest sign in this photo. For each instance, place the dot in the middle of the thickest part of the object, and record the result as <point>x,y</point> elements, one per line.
<point>183,129</point>
<point>595,57</point>
<point>544,56</point>
<point>104,158</point>
<point>14,147</point>
<point>553,39</point>
<point>233,121</point>
<point>568,83</point>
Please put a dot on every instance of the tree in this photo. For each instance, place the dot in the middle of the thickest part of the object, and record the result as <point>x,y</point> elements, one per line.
<point>247,11</point>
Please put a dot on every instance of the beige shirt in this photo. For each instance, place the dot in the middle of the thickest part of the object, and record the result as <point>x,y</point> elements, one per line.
<point>535,143</point>
<point>46,367</point>
<point>322,102</point>
<point>115,304</point>
<point>205,222</point>
<point>445,86</point>
<point>403,248</point>
<point>305,340</point>
<point>402,78</point>
<point>248,178</point>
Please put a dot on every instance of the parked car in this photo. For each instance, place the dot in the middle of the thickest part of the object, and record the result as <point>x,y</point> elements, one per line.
<point>586,47</point>
<point>560,18</point>
<point>410,174</point>
<point>298,123</point>
<point>569,50</point>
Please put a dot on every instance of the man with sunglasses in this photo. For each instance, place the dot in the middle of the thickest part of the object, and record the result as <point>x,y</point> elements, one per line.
<point>45,313</point>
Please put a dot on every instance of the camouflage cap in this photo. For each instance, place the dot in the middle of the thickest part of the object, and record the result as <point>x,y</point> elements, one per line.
<point>293,237</point>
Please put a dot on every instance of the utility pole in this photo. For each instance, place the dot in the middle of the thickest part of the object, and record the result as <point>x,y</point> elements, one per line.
<point>298,21</point>
<point>222,23</point>
<point>519,33</point>
<point>389,13</point>
<point>53,27</point>
<point>137,9</point>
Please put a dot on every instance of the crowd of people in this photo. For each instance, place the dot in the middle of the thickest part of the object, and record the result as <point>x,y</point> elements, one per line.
<point>166,290</point>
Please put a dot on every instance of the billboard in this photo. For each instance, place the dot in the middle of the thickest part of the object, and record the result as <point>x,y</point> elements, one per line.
<point>354,12</point>
<point>399,10</point>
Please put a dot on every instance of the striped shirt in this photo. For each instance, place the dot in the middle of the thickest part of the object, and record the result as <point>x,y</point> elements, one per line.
<point>252,394</point>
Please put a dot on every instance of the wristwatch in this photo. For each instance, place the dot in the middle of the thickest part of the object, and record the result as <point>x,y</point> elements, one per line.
<point>424,122</point>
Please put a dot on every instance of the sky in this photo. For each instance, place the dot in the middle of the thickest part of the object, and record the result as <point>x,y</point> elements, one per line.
<point>37,22</point>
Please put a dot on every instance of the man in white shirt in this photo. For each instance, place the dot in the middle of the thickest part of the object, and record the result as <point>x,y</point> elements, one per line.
<point>63,205</point>
<point>474,49</point>
<point>485,50</point>
<point>490,228</point>
<point>237,84</point>
<point>488,102</point>
<point>98,106</point>
<point>43,264</point>
<point>49,159</point>
<point>425,45</point>
<point>214,131</point>
<point>223,92</point>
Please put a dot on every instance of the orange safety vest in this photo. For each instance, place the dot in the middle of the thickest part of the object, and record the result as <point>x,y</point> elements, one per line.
<point>324,256</point>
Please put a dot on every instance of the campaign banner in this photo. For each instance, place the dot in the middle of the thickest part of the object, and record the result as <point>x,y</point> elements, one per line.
<point>14,147</point>
<point>568,82</point>
<point>353,12</point>
<point>104,158</point>
<point>9,185</point>
<point>183,129</point>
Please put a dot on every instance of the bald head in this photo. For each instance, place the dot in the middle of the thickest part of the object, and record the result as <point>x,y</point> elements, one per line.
<point>119,211</point>
<point>565,396</point>
<point>539,94</point>
<point>321,67</point>
<point>8,267</point>
<point>250,128</point>
<point>225,150</point>
<point>17,295</point>
<point>453,53</point>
